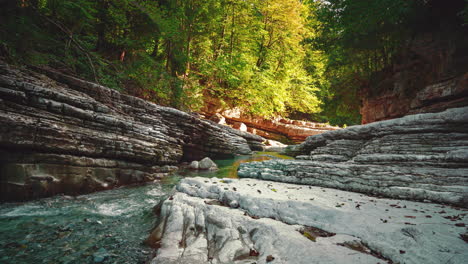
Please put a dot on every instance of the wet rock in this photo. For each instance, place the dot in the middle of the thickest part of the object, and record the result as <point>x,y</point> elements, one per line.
<point>207,164</point>
<point>194,165</point>
<point>204,164</point>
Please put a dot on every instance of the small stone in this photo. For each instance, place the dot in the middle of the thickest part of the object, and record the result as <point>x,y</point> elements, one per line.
<point>234,204</point>
<point>194,165</point>
<point>207,164</point>
<point>270,258</point>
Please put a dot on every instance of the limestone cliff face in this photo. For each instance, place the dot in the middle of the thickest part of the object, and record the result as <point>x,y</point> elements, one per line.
<point>420,157</point>
<point>431,75</point>
<point>60,134</point>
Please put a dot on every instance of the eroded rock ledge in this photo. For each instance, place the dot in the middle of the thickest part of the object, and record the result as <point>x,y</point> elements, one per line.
<point>279,129</point>
<point>248,220</point>
<point>62,134</point>
<point>420,157</point>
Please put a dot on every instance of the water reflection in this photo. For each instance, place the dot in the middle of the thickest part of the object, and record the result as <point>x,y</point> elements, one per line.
<point>228,168</point>
<point>231,171</point>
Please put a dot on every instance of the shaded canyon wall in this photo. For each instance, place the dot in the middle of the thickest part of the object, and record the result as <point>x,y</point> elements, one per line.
<point>430,75</point>
<point>60,134</point>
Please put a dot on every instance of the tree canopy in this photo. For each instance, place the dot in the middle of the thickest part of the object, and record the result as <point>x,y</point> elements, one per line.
<point>267,57</point>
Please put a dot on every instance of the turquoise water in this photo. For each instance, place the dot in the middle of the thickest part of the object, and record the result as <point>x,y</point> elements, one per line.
<point>102,227</point>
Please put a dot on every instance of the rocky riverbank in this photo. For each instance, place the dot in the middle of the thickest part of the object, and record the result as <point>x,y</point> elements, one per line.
<point>417,157</point>
<point>255,221</point>
<point>60,134</point>
<point>288,215</point>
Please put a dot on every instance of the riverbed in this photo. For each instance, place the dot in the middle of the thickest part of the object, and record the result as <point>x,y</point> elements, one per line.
<point>102,227</point>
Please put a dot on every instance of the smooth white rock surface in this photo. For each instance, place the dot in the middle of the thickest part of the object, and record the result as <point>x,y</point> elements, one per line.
<point>397,229</point>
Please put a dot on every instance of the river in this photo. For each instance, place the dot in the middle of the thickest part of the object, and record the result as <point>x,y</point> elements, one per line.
<point>102,227</point>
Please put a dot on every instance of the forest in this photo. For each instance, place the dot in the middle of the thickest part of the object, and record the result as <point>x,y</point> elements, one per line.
<point>301,58</point>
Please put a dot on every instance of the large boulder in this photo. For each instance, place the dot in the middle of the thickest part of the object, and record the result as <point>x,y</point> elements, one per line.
<point>420,157</point>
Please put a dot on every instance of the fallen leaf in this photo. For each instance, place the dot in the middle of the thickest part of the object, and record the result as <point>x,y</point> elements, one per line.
<point>253,253</point>
<point>270,258</point>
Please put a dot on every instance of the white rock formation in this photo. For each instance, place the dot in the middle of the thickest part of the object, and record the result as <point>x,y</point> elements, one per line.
<point>266,218</point>
<point>418,157</point>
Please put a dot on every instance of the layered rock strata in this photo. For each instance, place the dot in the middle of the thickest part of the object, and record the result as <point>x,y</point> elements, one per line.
<point>420,157</point>
<point>62,134</point>
<point>247,220</point>
<point>279,129</point>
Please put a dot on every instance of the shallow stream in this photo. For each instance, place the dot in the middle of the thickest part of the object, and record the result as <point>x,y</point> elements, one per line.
<point>102,227</point>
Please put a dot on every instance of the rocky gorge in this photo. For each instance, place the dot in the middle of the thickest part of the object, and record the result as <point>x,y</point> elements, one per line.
<point>161,132</point>
<point>346,198</point>
<point>60,134</point>
<point>393,191</point>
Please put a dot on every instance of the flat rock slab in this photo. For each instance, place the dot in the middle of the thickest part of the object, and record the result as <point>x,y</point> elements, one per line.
<point>248,220</point>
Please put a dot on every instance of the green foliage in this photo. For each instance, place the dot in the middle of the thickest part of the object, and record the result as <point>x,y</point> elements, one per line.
<point>356,38</point>
<point>268,57</point>
<point>243,53</point>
